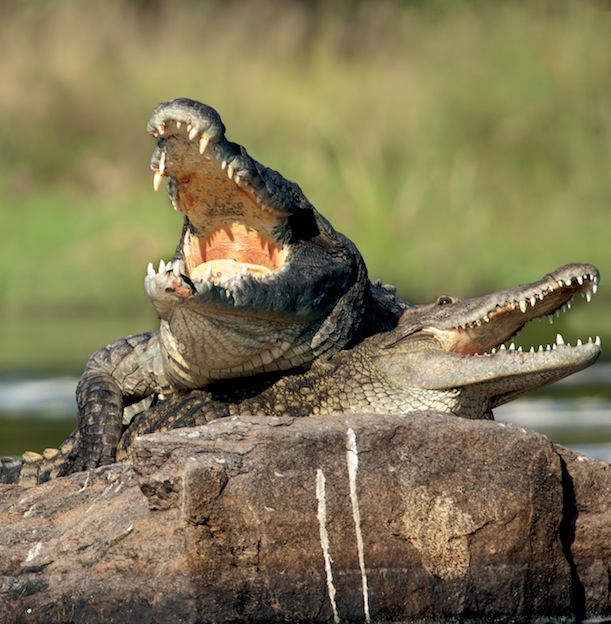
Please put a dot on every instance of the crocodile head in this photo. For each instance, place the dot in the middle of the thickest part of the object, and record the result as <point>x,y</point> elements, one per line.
<point>460,345</point>
<point>252,250</point>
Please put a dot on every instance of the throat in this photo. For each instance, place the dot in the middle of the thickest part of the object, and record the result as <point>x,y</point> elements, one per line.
<point>199,349</point>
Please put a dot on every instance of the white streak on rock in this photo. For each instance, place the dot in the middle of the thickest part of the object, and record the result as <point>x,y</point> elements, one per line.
<point>324,539</point>
<point>352,458</point>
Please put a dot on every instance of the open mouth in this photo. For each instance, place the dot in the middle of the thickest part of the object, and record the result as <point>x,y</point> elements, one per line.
<point>235,227</point>
<point>492,322</point>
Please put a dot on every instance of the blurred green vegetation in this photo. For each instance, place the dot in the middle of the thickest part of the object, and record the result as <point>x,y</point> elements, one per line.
<point>464,146</point>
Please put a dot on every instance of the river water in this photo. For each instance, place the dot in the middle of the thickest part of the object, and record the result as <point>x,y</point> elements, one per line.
<point>576,412</point>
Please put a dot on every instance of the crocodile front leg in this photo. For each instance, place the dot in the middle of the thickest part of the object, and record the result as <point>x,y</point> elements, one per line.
<point>123,372</point>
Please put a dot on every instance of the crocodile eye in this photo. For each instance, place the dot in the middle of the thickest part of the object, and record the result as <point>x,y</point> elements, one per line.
<point>445,300</point>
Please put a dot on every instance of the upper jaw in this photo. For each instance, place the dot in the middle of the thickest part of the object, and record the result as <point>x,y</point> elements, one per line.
<point>486,323</point>
<point>236,210</point>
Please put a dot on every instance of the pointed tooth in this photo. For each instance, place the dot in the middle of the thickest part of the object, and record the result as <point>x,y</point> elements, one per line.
<point>531,350</point>
<point>503,347</point>
<point>161,129</point>
<point>523,306</point>
<point>580,280</point>
<point>230,171</point>
<point>150,270</point>
<point>493,350</point>
<point>540,349</point>
<point>208,272</point>
<point>192,133</point>
<point>568,282</point>
<point>550,318</point>
<point>162,163</point>
<point>224,165</point>
<point>176,268</point>
<point>588,296</point>
<point>512,346</point>
<point>533,301</point>
<point>579,343</point>
<point>161,269</point>
<point>157,180</point>
<point>548,348</point>
<point>560,283</point>
<point>597,341</point>
<point>178,124</point>
<point>203,144</point>
<point>559,339</point>
<point>594,288</point>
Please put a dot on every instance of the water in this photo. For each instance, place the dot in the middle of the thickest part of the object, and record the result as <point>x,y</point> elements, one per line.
<point>576,412</point>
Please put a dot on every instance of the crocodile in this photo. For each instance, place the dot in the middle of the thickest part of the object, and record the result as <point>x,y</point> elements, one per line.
<point>259,282</point>
<point>448,356</point>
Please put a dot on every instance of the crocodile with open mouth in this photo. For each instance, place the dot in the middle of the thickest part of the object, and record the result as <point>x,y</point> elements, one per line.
<point>448,356</point>
<point>259,282</point>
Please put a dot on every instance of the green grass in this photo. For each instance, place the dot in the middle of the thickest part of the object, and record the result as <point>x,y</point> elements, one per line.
<point>465,147</point>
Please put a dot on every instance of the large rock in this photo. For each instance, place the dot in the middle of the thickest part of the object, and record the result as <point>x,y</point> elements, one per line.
<point>346,518</point>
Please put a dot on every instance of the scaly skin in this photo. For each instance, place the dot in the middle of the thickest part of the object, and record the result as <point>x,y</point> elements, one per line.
<point>443,357</point>
<point>259,282</point>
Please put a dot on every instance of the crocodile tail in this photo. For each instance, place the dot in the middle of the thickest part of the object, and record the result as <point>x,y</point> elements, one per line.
<point>33,468</point>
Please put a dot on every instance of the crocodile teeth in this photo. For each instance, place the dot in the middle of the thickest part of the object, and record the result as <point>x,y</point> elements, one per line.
<point>523,306</point>
<point>230,171</point>
<point>203,144</point>
<point>157,180</point>
<point>559,339</point>
<point>594,288</point>
<point>588,296</point>
<point>161,269</point>
<point>580,280</point>
<point>192,133</point>
<point>162,163</point>
<point>150,270</point>
<point>533,301</point>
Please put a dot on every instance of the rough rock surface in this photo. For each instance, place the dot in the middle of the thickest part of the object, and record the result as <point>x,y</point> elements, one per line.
<point>346,518</point>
